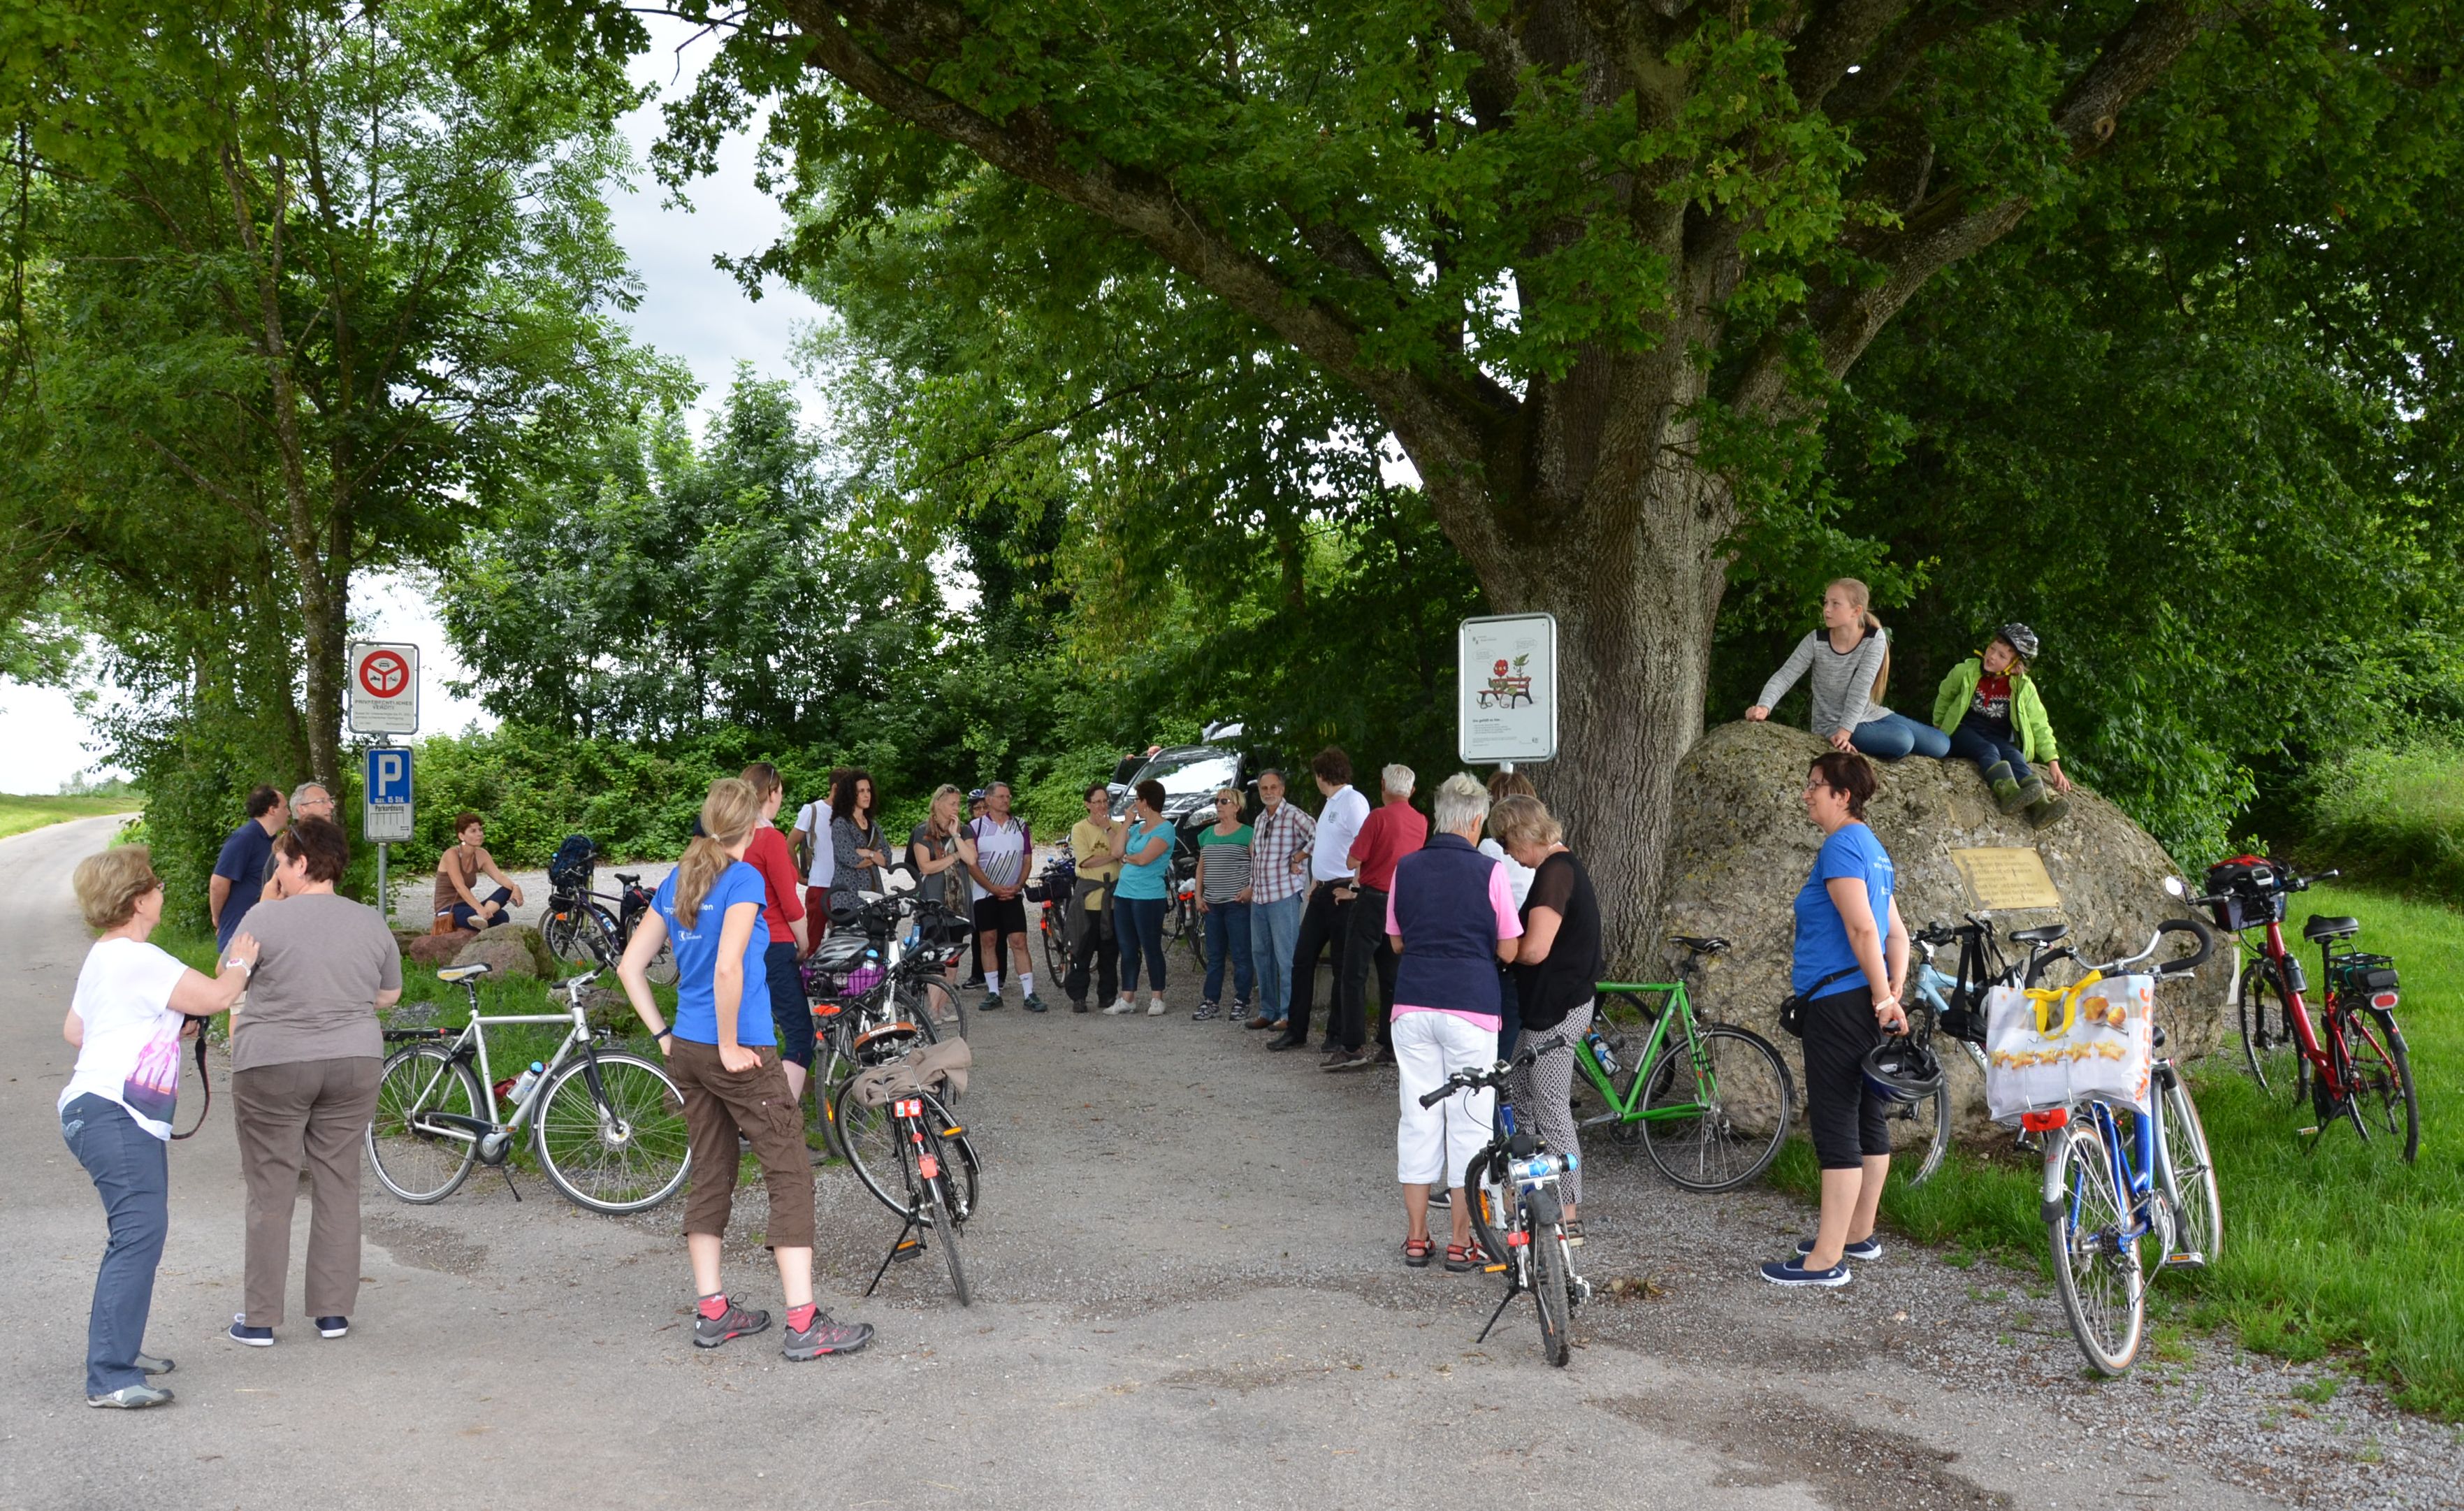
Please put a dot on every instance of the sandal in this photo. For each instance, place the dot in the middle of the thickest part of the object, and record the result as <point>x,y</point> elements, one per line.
<point>1417,1251</point>
<point>1461,1258</point>
<point>1573,1231</point>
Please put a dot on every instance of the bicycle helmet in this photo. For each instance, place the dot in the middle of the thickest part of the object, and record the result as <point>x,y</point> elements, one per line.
<point>1902,1072</point>
<point>2022,639</point>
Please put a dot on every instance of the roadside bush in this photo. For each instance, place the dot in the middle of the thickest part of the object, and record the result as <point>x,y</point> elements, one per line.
<point>2393,816</point>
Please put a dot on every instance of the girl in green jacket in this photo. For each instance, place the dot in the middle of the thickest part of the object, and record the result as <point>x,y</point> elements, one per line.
<point>1989,708</point>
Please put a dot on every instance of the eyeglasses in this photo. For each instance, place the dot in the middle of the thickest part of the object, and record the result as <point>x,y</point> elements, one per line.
<point>1227,802</point>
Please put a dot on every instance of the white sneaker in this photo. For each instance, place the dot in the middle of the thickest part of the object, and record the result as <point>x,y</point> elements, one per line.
<point>1124,1005</point>
<point>1154,1005</point>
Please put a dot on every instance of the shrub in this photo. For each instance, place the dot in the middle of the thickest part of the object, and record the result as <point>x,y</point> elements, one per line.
<point>2393,814</point>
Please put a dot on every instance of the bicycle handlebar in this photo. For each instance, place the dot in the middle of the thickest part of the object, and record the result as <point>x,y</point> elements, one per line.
<point>2181,966</point>
<point>1465,1080</point>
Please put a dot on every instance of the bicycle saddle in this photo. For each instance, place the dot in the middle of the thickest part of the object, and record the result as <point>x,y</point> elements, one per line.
<point>1711,945</point>
<point>629,878</point>
<point>464,972</point>
<point>2042,934</point>
<point>2321,927</point>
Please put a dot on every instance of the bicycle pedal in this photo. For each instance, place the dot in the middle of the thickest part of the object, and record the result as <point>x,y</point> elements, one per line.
<point>2189,1259</point>
<point>2310,1132</point>
<point>1494,1269</point>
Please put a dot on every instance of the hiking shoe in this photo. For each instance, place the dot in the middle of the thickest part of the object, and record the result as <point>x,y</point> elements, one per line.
<point>254,1337</point>
<point>332,1326</point>
<point>826,1337</point>
<point>1239,1012</point>
<point>738,1322</point>
<point>2048,811</point>
<point>148,1363</point>
<point>1791,1274</point>
<point>990,1004</point>
<point>1334,1057</point>
<point>1350,1060</point>
<point>1869,1247</point>
<point>1205,1010</point>
<point>133,1397</point>
<point>1120,1008</point>
<point>1035,1004</point>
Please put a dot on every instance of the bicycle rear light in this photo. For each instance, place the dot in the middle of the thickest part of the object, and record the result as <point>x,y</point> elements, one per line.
<point>907,1107</point>
<point>2045,1121</point>
<point>2382,1000</point>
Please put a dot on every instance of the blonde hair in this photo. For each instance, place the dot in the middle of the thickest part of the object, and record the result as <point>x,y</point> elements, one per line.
<point>1522,820</point>
<point>932,809</point>
<point>109,884</point>
<point>727,815</point>
<point>1862,596</point>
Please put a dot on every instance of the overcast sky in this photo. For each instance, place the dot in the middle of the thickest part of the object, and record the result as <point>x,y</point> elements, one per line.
<point>690,309</point>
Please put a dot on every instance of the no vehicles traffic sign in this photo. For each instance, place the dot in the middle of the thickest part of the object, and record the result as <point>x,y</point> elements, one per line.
<point>385,689</point>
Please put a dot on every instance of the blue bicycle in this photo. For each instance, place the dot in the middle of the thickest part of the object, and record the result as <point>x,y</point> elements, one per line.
<point>2107,1191</point>
<point>1954,1007</point>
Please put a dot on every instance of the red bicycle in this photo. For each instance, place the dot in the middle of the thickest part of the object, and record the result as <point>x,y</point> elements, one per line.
<point>2352,1062</point>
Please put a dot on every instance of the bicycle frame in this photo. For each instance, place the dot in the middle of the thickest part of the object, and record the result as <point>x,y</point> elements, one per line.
<point>2135,1173</point>
<point>1677,1008</point>
<point>473,1041</point>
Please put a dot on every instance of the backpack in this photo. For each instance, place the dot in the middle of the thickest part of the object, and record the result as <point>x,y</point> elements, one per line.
<point>568,870</point>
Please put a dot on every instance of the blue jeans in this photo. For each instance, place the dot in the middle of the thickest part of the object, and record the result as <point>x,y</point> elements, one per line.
<point>132,1173</point>
<point>465,915</point>
<point>1893,736</point>
<point>1228,934</point>
<point>1274,931</point>
<point>1139,922</point>
<point>1970,743</point>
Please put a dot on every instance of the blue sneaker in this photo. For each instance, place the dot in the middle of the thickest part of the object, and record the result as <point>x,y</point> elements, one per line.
<point>332,1327</point>
<point>1792,1273</point>
<point>254,1337</point>
<point>1869,1247</point>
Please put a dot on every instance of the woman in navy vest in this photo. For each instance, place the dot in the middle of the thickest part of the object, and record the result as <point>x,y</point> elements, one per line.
<point>1450,919</point>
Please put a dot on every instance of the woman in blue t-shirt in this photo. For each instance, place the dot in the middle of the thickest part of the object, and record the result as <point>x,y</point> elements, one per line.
<point>1851,955</point>
<point>1143,840</point>
<point>723,1053</point>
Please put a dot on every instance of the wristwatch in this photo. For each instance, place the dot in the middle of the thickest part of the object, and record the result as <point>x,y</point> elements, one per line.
<point>234,959</point>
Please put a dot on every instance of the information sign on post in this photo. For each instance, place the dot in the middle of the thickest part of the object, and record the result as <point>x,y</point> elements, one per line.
<point>1505,688</point>
<point>385,689</point>
<point>387,812</point>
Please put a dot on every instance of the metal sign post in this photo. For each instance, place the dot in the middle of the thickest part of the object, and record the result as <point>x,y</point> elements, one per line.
<point>1505,689</point>
<point>386,812</point>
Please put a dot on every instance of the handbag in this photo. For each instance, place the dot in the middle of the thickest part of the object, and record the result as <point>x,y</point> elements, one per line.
<point>2048,1047</point>
<point>1791,1012</point>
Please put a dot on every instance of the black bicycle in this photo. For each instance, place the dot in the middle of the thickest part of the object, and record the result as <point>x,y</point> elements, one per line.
<point>910,1150</point>
<point>1518,1215</point>
<point>874,989</point>
<point>580,928</point>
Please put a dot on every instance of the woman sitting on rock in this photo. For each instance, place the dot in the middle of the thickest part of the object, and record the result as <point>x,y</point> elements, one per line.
<point>1988,708</point>
<point>1850,657</point>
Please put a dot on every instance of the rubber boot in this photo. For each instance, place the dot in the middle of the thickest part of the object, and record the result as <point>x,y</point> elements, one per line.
<point>2006,786</point>
<point>2048,810</point>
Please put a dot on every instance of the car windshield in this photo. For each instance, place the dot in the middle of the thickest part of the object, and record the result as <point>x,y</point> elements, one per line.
<point>1186,771</point>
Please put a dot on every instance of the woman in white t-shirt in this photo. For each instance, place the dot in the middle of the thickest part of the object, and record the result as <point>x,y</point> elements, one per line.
<point>126,1020</point>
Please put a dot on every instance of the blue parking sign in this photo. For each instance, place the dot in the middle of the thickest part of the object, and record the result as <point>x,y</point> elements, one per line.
<point>387,809</point>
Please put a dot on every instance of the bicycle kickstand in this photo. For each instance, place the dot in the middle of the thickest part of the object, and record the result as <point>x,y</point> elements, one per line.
<point>897,1246</point>
<point>1514,1289</point>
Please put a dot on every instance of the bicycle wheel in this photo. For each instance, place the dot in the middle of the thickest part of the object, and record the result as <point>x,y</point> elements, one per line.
<point>877,1149</point>
<point>622,1150</point>
<point>945,1233</point>
<point>2383,1098</point>
<point>2096,1268</point>
<point>420,1162</point>
<point>565,938</point>
<point>1716,1111</point>
<point>1930,1120</point>
<point>2190,1175</point>
<point>1056,941</point>
<point>1490,1208</point>
<point>2269,1048</point>
<point>1548,1293</point>
<point>932,1006</point>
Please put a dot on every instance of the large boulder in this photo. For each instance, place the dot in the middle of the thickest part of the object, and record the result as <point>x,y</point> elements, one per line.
<point>1744,847</point>
<point>511,949</point>
<point>434,949</point>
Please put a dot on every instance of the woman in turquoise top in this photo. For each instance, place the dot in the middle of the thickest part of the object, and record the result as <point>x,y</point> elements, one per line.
<point>1143,840</point>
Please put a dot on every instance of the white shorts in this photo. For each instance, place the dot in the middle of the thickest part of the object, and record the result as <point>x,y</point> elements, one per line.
<point>1431,1145</point>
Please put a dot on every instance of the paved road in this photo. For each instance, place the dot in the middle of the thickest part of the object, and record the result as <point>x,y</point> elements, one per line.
<point>1189,1297</point>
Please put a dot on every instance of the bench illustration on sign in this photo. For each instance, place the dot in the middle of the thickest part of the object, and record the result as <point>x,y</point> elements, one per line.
<point>1509,684</point>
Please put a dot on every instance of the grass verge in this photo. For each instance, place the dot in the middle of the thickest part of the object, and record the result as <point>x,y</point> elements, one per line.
<point>20,814</point>
<point>2340,1249</point>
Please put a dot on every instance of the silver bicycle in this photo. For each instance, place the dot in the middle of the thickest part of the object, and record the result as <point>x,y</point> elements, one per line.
<point>608,1125</point>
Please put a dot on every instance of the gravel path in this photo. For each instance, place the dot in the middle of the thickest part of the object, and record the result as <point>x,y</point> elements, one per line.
<point>1188,1295</point>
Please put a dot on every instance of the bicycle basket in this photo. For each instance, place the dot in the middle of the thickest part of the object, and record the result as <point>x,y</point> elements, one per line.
<point>2249,893</point>
<point>568,870</point>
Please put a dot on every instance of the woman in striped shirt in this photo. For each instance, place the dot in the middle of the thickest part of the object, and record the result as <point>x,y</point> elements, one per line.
<point>1223,904</point>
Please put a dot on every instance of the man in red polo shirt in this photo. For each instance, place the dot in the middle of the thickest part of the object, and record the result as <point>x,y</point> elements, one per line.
<point>783,912</point>
<point>1395,829</point>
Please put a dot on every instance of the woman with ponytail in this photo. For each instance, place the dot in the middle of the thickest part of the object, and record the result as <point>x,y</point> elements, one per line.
<point>1850,657</point>
<point>723,1053</point>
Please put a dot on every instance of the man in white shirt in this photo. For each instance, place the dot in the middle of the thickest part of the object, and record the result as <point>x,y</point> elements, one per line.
<point>997,878</point>
<point>809,844</point>
<point>1328,917</point>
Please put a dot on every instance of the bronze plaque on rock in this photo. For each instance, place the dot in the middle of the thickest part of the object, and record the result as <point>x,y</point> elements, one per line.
<point>2007,878</point>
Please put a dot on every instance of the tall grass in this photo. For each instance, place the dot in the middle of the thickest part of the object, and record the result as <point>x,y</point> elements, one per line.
<point>20,814</point>
<point>2394,817</point>
<point>2332,1246</point>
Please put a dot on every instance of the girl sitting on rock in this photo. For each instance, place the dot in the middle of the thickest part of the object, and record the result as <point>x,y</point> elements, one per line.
<point>1850,657</point>
<point>1988,708</point>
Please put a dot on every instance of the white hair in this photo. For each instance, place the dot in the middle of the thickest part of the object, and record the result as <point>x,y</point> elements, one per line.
<point>1396,779</point>
<point>299,793</point>
<point>1461,802</point>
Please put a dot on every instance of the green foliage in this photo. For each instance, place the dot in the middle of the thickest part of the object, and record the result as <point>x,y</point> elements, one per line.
<point>2391,814</point>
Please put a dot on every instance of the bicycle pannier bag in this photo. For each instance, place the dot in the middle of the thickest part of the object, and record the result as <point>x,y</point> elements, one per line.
<point>2049,1047</point>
